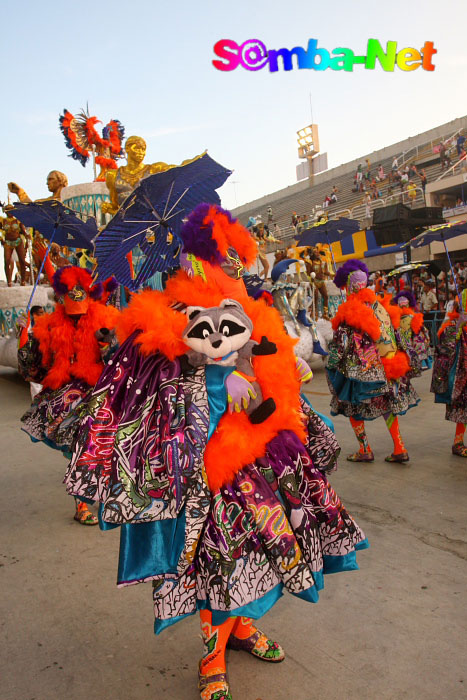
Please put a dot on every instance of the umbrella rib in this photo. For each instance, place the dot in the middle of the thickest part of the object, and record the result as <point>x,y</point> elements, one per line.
<point>168,198</point>
<point>150,205</point>
<point>149,228</point>
<point>175,203</point>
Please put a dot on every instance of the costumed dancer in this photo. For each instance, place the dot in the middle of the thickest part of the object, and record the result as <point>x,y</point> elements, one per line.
<point>197,443</point>
<point>449,381</point>
<point>412,327</point>
<point>14,240</point>
<point>291,300</point>
<point>369,365</point>
<point>66,354</point>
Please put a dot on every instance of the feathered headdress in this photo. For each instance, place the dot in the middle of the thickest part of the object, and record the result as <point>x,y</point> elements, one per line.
<point>407,294</point>
<point>342,274</point>
<point>210,231</point>
<point>68,277</point>
<point>81,136</point>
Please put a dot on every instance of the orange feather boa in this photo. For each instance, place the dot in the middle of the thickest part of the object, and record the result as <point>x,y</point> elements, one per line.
<point>452,316</point>
<point>357,313</point>
<point>236,441</point>
<point>70,350</point>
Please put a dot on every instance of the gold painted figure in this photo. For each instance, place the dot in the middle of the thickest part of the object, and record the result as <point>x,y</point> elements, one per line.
<point>56,181</point>
<point>123,181</point>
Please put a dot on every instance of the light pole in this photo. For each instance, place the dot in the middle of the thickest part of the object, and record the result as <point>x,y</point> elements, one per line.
<point>308,146</point>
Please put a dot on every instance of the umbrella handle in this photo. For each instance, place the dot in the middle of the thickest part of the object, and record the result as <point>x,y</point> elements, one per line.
<point>450,265</point>
<point>334,263</point>
<point>41,268</point>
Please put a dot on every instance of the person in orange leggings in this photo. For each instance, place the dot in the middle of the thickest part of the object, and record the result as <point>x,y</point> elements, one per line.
<point>449,381</point>
<point>370,364</point>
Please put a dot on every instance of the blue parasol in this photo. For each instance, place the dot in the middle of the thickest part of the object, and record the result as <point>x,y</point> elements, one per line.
<point>57,223</point>
<point>442,232</point>
<point>329,232</point>
<point>152,216</point>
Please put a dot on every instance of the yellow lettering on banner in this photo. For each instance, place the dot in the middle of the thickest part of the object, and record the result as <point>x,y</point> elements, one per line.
<point>197,265</point>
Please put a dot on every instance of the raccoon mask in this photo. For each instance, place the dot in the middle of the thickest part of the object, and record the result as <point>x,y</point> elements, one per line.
<point>218,332</point>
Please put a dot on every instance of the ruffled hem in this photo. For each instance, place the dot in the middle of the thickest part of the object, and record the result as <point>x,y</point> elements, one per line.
<point>259,607</point>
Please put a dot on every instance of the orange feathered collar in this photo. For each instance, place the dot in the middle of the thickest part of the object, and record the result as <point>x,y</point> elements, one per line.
<point>452,316</point>
<point>71,350</point>
<point>357,313</point>
<point>236,442</point>
<point>417,321</point>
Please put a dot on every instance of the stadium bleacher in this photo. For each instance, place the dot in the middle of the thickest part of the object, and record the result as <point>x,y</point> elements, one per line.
<point>308,200</point>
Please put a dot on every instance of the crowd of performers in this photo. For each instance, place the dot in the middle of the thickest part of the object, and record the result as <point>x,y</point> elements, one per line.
<point>182,416</point>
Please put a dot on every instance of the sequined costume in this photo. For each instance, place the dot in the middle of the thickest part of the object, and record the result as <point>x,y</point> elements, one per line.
<point>412,329</point>
<point>370,363</point>
<point>65,354</point>
<point>449,380</point>
<point>222,515</point>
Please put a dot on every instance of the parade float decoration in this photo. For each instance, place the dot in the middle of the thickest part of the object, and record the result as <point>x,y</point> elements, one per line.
<point>85,141</point>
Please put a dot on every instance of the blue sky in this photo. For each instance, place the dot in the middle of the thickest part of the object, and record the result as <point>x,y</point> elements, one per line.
<point>149,64</point>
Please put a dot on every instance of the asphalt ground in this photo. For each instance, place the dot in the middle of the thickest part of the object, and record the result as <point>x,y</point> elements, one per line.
<point>395,629</point>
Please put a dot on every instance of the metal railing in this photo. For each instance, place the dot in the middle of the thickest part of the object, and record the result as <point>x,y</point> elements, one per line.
<point>458,163</point>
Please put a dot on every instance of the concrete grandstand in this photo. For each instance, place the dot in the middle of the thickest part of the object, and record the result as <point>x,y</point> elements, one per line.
<point>307,197</point>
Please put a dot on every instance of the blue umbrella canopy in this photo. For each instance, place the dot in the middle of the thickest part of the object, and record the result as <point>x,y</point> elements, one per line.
<point>151,217</point>
<point>57,223</point>
<point>329,231</point>
<point>443,232</point>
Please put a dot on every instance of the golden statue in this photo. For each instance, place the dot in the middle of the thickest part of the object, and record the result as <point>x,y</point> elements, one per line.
<point>56,181</point>
<point>123,181</point>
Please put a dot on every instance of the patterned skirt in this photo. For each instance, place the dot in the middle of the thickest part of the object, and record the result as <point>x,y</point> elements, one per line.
<point>398,398</point>
<point>277,526</point>
<point>53,417</point>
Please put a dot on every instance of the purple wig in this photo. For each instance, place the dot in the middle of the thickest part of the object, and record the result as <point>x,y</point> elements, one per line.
<point>110,285</point>
<point>342,274</point>
<point>197,235</point>
<point>58,286</point>
<point>408,294</point>
<point>66,277</point>
<point>96,291</point>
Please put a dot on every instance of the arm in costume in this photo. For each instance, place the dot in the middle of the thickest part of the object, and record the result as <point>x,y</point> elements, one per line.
<point>30,364</point>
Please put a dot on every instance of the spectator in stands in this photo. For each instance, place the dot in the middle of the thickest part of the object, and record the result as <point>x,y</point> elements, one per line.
<point>381,174</point>
<point>359,173</point>
<point>379,281</point>
<point>327,201</point>
<point>450,303</point>
<point>270,215</point>
<point>277,230</point>
<point>460,144</point>
<point>367,205</point>
<point>395,165</point>
<point>404,180</point>
<point>335,190</point>
<point>422,176</point>
<point>294,220</point>
<point>429,299</point>
<point>412,192</point>
<point>413,170</point>
<point>443,156</point>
